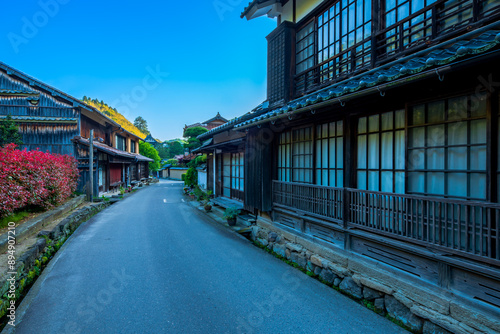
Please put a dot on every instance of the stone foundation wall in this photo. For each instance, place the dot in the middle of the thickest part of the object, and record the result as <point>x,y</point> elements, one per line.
<point>418,305</point>
<point>29,265</point>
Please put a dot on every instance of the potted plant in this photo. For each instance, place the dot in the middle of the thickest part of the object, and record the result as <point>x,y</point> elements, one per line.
<point>207,206</point>
<point>230,215</point>
<point>186,189</point>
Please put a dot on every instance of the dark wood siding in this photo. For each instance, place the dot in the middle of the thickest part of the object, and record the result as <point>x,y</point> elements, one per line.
<point>279,72</point>
<point>52,122</point>
<point>258,180</point>
<point>99,130</point>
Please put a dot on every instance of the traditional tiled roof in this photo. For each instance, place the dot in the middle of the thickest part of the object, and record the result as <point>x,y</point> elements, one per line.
<point>260,109</point>
<point>217,117</point>
<point>410,65</point>
<point>41,119</point>
<point>111,150</point>
<point>17,92</point>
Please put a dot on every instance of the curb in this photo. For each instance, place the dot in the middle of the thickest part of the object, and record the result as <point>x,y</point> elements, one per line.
<point>39,222</point>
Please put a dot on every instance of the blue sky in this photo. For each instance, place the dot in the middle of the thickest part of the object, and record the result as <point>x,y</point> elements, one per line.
<point>170,63</point>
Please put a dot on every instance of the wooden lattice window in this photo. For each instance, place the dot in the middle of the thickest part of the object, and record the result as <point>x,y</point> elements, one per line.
<point>381,152</point>
<point>295,156</point>
<point>330,154</point>
<point>447,148</point>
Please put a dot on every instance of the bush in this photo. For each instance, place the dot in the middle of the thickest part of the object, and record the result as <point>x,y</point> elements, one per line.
<point>173,162</point>
<point>183,177</point>
<point>34,178</point>
<point>198,161</point>
<point>191,177</point>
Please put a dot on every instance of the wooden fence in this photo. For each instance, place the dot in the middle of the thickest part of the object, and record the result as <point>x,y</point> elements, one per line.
<point>453,226</point>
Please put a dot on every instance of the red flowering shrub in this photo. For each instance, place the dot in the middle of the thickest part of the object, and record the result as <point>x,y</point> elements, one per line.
<point>34,178</point>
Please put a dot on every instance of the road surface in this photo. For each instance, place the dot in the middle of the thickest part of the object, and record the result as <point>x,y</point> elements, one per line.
<point>153,264</point>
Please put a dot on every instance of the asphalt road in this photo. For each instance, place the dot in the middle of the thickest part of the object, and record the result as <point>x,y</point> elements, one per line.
<point>153,264</point>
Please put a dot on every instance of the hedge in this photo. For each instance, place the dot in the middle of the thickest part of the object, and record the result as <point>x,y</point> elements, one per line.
<point>34,178</point>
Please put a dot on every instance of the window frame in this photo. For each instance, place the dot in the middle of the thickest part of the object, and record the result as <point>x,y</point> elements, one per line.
<point>380,131</point>
<point>120,139</point>
<point>446,170</point>
<point>290,165</point>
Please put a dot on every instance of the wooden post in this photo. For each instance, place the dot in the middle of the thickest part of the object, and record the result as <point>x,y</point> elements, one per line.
<point>90,192</point>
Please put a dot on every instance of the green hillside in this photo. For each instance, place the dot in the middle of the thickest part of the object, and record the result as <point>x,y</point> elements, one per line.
<point>114,115</point>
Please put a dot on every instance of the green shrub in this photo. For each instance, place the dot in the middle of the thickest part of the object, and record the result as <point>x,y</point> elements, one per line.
<point>191,178</point>
<point>183,177</point>
<point>198,161</point>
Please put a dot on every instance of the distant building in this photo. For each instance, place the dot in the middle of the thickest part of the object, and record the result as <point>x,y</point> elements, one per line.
<point>210,124</point>
<point>150,140</point>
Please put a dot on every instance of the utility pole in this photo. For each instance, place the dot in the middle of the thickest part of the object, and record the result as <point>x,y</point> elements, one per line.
<point>90,192</point>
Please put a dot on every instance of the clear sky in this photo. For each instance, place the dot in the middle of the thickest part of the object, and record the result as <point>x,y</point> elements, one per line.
<point>171,62</point>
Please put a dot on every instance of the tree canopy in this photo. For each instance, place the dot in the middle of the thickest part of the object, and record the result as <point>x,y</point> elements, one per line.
<point>9,132</point>
<point>149,151</point>
<point>194,131</point>
<point>142,125</point>
<point>191,134</point>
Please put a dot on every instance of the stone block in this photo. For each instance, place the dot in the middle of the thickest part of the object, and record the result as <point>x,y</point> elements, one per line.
<point>317,271</point>
<point>288,254</point>
<point>310,266</point>
<point>294,247</point>
<point>263,242</point>
<point>272,236</point>
<point>370,294</point>
<point>349,286</point>
<point>486,320</point>
<point>379,305</point>
<point>444,321</point>
<point>41,244</point>
<point>337,281</point>
<point>338,270</point>
<point>327,275</point>
<point>372,284</point>
<point>279,249</point>
<point>302,261</point>
<point>400,312</point>
<point>317,260</point>
<point>431,328</point>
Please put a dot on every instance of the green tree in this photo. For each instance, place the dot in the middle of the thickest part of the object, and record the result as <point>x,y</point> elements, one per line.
<point>149,151</point>
<point>191,134</point>
<point>163,151</point>
<point>194,132</point>
<point>172,162</point>
<point>142,125</point>
<point>9,132</point>
<point>175,148</point>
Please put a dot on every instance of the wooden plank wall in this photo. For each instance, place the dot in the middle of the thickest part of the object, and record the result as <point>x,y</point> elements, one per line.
<point>53,137</point>
<point>258,177</point>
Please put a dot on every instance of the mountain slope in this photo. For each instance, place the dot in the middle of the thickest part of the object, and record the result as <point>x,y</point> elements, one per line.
<point>114,115</point>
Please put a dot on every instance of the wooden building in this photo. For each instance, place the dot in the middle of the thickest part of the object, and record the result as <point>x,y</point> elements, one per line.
<point>50,120</point>
<point>209,124</point>
<point>379,136</point>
